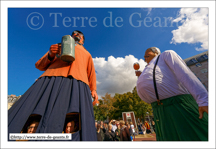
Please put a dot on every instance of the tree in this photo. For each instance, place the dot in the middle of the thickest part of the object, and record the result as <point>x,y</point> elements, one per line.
<point>99,112</point>
<point>114,106</point>
<point>104,108</point>
<point>130,102</point>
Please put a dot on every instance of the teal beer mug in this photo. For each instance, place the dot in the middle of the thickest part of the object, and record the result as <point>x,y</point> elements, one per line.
<point>67,49</point>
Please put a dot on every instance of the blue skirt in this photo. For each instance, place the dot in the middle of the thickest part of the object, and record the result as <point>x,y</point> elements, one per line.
<point>53,98</point>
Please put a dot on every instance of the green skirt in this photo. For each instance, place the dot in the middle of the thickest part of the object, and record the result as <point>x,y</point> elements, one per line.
<point>178,120</point>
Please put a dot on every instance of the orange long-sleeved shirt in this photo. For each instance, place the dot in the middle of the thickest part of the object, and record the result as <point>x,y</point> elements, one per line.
<point>82,68</point>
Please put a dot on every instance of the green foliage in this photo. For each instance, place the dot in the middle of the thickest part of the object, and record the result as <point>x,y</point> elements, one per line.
<point>104,108</point>
<point>114,106</point>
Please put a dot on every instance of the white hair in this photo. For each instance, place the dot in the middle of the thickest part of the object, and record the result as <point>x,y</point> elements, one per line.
<point>155,50</point>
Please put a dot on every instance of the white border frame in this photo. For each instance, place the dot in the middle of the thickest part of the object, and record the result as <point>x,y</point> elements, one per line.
<point>105,4</point>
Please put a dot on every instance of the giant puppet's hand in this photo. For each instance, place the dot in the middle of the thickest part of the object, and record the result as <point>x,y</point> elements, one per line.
<point>54,49</point>
<point>136,67</point>
<point>138,73</point>
<point>95,96</point>
<point>202,110</point>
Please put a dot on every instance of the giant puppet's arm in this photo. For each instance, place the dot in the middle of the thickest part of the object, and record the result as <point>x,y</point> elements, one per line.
<point>92,78</point>
<point>44,62</point>
<point>188,79</point>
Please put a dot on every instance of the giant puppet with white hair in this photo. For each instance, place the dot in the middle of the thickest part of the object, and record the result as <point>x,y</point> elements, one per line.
<point>179,100</point>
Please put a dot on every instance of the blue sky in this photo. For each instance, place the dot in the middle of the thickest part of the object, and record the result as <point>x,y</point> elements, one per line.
<point>109,32</point>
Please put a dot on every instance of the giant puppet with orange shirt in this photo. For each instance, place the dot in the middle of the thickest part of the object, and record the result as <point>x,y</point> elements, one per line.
<point>65,88</point>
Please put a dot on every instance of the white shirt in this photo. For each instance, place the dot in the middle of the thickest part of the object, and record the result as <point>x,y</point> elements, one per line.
<point>114,127</point>
<point>173,77</point>
<point>132,127</point>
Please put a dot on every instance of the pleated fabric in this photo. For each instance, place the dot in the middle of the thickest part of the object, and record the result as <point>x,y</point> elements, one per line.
<point>178,120</point>
<point>53,98</point>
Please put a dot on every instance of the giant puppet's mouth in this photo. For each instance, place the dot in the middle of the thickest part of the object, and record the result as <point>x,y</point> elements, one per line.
<point>77,38</point>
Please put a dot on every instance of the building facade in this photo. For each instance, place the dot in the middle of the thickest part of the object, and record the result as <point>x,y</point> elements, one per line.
<point>199,66</point>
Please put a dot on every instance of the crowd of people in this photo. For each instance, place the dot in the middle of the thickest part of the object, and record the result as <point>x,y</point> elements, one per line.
<point>145,128</point>
<point>119,130</point>
<point>112,131</point>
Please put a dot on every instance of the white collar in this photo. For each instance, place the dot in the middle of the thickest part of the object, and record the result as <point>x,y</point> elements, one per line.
<point>153,60</point>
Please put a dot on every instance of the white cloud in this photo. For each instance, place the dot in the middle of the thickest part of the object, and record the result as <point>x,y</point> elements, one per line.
<point>194,28</point>
<point>116,75</point>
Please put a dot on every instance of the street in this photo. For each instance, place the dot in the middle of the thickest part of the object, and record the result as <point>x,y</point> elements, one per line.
<point>146,137</point>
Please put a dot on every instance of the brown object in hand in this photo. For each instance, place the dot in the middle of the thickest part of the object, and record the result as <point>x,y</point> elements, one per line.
<point>136,66</point>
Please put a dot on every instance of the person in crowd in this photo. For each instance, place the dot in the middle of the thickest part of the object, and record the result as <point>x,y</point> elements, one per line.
<point>153,125</point>
<point>139,127</point>
<point>133,130</point>
<point>102,126</point>
<point>176,96</point>
<point>62,88</point>
<point>147,126</point>
<point>126,123</point>
<point>32,127</point>
<point>109,135</point>
<point>117,132</point>
<point>105,127</point>
<point>143,128</point>
<point>71,127</point>
<point>100,133</point>
<point>130,130</point>
<point>124,133</point>
<point>113,123</point>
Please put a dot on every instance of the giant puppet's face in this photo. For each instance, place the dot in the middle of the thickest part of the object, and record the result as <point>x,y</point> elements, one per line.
<point>149,55</point>
<point>78,37</point>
